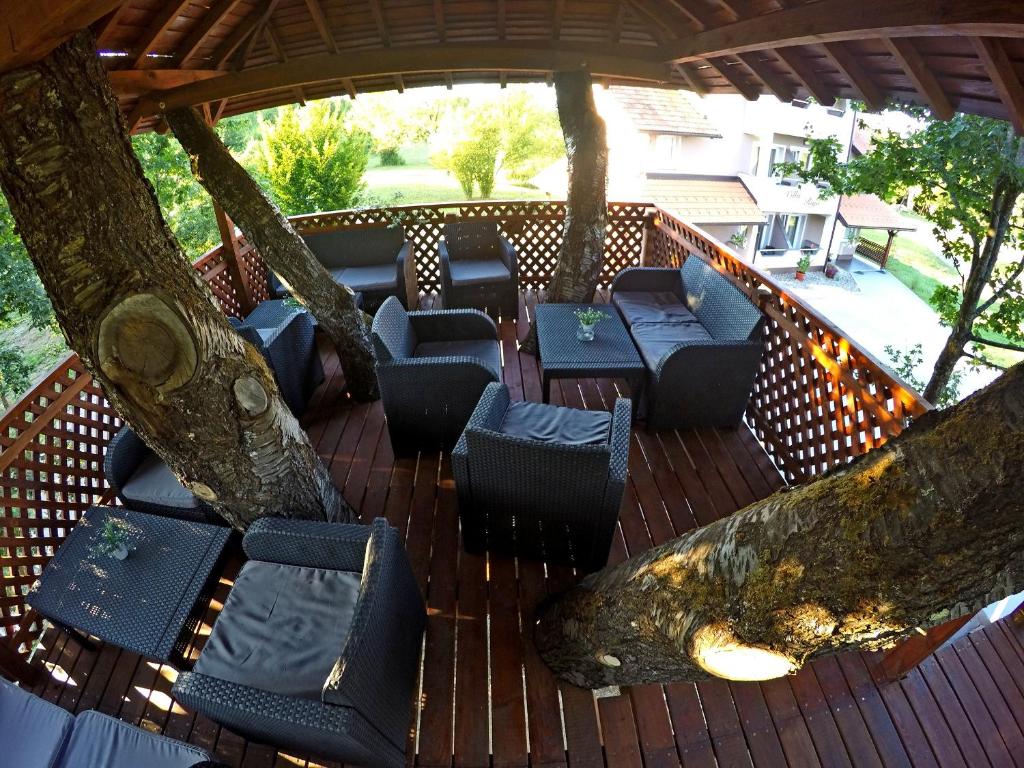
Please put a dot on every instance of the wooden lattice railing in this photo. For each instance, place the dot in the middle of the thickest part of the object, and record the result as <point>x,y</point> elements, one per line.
<point>818,401</point>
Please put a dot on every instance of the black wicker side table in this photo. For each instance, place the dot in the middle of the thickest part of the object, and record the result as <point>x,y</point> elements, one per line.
<point>610,355</point>
<point>144,603</point>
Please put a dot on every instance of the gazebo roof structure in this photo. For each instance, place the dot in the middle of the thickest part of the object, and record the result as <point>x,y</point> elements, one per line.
<point>243,55</point>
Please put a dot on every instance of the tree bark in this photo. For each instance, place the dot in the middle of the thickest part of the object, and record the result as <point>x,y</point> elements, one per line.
<point>915,533</point>
<point>132,307</point>
<point>581,255</point>
<point>281,247</point>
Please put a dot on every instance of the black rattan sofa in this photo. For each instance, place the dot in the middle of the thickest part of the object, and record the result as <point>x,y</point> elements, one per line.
<point>318,644</point>
<point>432,368</point>
<point>700,338</point>
<point>479,269</point>
<point>541,481</point>
<point>376,262</point>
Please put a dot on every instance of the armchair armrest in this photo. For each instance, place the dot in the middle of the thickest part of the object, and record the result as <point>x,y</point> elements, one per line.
<point>510,258</point>
<point>405,265</point>
<point>649,279</point>
<point>453,325</point>
<point>307,543</point>
<point>444,260</point>
<point>125,452</point>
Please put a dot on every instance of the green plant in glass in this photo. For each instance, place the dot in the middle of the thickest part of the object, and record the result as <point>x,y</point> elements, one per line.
<point>589,318</point>
<point>113,540</point>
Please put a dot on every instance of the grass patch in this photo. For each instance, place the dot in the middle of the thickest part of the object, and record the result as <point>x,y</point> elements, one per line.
<point>412,184</point>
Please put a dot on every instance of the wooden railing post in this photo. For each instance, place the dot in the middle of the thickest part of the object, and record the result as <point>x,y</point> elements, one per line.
<point>232,258</point>
<point>645,239</point>
<point>898,661</point>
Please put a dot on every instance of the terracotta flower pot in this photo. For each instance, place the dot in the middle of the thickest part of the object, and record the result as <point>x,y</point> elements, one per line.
<point>800,276</point>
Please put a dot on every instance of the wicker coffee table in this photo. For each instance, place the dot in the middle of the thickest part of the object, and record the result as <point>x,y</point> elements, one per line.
<point>611,355</point>
<point>144,603</point>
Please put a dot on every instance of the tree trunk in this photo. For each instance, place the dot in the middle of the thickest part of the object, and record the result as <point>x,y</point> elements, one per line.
<point>913,534</point>
<point>281,247</point>
<point>581,255</point>
<point>131,305</point>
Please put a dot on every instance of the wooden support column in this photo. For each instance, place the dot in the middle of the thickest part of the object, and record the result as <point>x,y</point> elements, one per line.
<point>888,247</point>
<point>898,661</point>
<point>233,260</point>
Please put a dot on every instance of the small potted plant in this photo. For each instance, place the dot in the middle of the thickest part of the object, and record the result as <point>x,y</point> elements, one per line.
<point>802,265</point>
<point>113,540</point>
<point>589,318</point>
<point>831,270</point>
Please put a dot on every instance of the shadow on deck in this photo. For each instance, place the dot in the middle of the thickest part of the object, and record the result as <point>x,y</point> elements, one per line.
<point>486,699</point>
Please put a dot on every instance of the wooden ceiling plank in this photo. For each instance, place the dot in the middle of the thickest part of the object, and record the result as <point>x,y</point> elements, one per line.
<point>387,62</point>
<point>661,28</point>
<point>773,80</point>
<point>195,38</point>
<point>1004,77</point>
<point>106,27</point>
<point>160,24</point>
<point>828,21</point>
<point>320,22</point>
<point>732,76</point>
<point>502,19</point>
<point>848,65</point>
<point>30,30</point>
<point>920,76</point>
<point>442,32</point>
<point>558,10</point>
<point>807,76</point>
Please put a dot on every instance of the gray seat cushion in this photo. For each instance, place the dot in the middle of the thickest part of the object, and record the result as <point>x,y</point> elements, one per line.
<point>281,628</point>
<point>554,424</point>
<point>153,482</point>
<point>373,277</point>
<point>655,339</point>
<point>485,350</point>
<point>32,731</point>
<point>479,271</point>
<point>100,740</point>
<point>652,307</point>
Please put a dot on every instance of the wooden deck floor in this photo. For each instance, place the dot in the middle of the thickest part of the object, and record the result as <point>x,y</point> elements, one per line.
<point>487,700</point>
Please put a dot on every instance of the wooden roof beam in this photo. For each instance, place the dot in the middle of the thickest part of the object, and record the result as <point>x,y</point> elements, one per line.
<point>320,22</point>
<point>107,25</point>
<point>1003,76</point>
<point>382,25</point>
<point>773,80</point>
<point>729,71</point>
<point>829,21</point>
<point>608,61</point>
<point>442,32</point>
<point>257,33</point>
<point>692,79</point>
<point>920,75</point>
<point>250,26</point>
<point>30,30</point>
<point>849,66</point>
<point>160,24</point>
<point>282,56</point>
<point>197,36</point>
<point>558,11</point>
<point>502,19</point>
<point>807,76</point>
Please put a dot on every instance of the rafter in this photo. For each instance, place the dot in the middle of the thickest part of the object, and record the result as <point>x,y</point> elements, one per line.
<point>836,20</point>
<point>320,22</point>
<point>773,80</point>
<point>107,25</point>
<point>195,39</point>
<point>381,22</point>
<point>160,24</point>
<point>602,61</point>
<point>135,82</point>
<point>442,33</point>
<point>558,10</point>
<point>850,68</point>
<point>250,25</point>
<point>282,56</point>
<point>502,20</point>
<point>615,25</point>
<point>807,76</point>
<point>1004,77</point>
<point>257,32</point>
<point>691,78</point>
<point>920,75</point>
<point>729,71</point>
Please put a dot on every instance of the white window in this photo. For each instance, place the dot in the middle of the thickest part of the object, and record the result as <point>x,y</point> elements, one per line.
<point>668,151</point>
<point>782,153</point>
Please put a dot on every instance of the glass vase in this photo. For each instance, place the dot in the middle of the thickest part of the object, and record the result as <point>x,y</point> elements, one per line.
<point>586,332</point>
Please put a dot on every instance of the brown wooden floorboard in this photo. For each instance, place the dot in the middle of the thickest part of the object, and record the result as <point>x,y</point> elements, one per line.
<point>485,697</point>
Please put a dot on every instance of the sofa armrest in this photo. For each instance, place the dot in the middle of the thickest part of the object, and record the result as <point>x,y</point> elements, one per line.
<point>125,452</point>
<point>444,261</point>
<point>307,543</point>
<point>405,265</point>
<point>453,325</point>
<point>510,258</point>
<point>649,279</point>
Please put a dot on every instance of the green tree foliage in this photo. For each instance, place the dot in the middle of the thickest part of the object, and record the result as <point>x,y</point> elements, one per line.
<point>514,135</point>
<point>970,175</point>
<point>312,158</point>
<point>906,362</point>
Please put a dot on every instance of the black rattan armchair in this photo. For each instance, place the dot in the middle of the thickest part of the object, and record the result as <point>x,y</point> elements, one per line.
<point>432,368</point>
<point>479,269</point>
<point>317,646</point>
<point>700,338</point>
<point>541,481</point>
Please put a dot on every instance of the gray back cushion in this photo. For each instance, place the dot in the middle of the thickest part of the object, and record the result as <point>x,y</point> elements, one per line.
<point>723,309</point>
<point>392,332</point>
<point>32,731</point>
<point>472,240</point>
<point>356,247</point>
<point>100,740</point>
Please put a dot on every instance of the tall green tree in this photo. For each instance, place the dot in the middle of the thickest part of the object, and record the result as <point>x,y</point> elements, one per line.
<point>312,158</point>
<point>970,172</point>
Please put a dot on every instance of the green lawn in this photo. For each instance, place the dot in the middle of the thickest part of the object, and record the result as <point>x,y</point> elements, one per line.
<point>922,270</point>
<point>43,349</point>
<point>410,184</point>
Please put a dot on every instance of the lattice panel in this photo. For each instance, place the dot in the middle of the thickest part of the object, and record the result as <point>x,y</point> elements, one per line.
<point>818,400</point>
<point>214,269</point>
<point>51,461</point>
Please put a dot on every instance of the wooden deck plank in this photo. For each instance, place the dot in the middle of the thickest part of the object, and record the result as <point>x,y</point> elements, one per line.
<point>723,723</point>
<point>946,725</point>
<point>967,655</point>
<point>621,743</point>
<point>762,738</point>
<point>789,723</point>
<point>818,718</point>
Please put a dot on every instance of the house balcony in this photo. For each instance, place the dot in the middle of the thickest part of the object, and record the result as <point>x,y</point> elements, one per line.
<point>484,696</point>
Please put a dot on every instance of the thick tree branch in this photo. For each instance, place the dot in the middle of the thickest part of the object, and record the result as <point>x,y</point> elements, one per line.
<point>919,531</point>
<point>993,343</point>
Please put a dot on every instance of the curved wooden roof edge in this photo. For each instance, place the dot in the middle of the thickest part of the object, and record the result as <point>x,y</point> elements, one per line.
<point>237,56</point>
